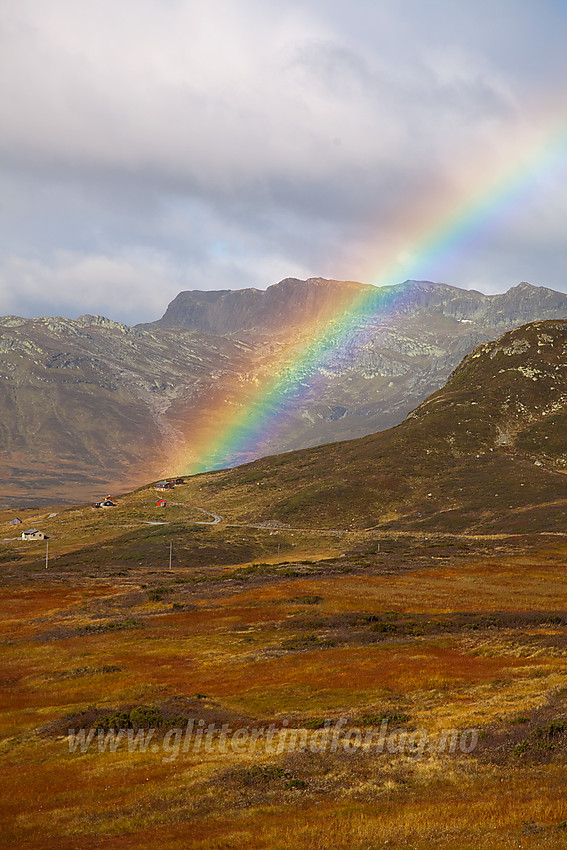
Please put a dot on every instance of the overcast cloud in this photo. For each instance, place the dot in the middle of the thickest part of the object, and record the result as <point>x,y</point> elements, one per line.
<point>150,146</point>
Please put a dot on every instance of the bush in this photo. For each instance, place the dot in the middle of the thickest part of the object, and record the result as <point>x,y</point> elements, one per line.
<point>262,774</point>
<point>117,720</point>
<point>307,600</point>
<point>314,723</point>
<point>383,627</point>
<point>521,749</point>
<point>296,784</point>
<point>178,721</point>
<point>120,625</point>
<point>377,719</point>
<point>147,718</point>
<point>156,594</point>
<point>550,731</point>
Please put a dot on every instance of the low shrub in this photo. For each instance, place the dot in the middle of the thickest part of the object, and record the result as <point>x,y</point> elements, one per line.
<point>145,718</point>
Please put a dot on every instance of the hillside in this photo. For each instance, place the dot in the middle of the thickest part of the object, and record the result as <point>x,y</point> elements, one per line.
<point>83,403</point>
<point>487,451</point>
<point>90,405</point>
<point>168,674</point>
<point>397,356</point>
<point>247,609</point>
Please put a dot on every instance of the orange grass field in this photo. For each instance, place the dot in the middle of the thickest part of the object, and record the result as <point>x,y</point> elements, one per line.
<point>433,634</point>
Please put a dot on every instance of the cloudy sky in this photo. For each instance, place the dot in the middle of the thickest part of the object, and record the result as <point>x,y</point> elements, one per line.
<point>149,146</point>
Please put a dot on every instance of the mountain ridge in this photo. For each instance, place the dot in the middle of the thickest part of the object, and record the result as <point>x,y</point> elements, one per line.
<point>317,299</point>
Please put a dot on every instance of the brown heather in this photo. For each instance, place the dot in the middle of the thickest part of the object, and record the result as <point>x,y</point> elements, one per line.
<point>454,619</point>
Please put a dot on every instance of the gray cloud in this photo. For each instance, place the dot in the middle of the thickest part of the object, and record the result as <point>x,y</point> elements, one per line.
<point>154,145</point>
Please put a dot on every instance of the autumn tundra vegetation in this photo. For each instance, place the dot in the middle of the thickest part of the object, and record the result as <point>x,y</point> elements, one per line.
<point>366,650</point>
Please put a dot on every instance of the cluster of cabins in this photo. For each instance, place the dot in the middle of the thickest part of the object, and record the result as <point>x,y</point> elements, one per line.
<point>31,533</point>
<point>164,486</point>
<point>169,485</point>
<point>35,534</point>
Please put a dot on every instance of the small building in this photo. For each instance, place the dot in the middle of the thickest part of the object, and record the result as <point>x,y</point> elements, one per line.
<point>161,503</point>
<point>33,534</point>
<point>179,481</point>
<point>15,521</point>
<point>107,503</point>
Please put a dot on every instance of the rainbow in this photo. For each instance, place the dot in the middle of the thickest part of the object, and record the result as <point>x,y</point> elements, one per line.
<point>437,230</point>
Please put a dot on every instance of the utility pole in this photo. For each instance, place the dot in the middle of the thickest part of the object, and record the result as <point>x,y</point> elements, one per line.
<point>46,554</point>
<point>170,554</point>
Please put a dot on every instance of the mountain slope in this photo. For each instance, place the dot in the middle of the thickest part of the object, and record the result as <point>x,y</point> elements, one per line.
<point>488,451</point>
<point>407,339</point>
<point>91,406</point>
<point>84,403</point>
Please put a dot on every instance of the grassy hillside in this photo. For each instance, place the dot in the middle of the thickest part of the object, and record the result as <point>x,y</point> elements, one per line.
<point>432,634</point>
<point>446,621</point>
<point>488,451</point>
